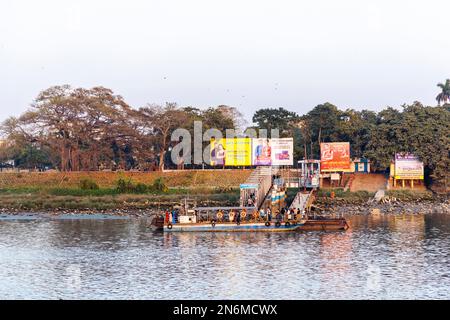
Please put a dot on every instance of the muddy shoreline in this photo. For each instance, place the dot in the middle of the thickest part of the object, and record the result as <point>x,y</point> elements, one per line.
<point>335,207</point>
<point>397,207</point>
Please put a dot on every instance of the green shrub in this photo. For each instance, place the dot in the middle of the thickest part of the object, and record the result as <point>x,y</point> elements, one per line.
<point>125,186</point>
<point>88,184</point>
<point>141,188</point>
<point>159,185</point>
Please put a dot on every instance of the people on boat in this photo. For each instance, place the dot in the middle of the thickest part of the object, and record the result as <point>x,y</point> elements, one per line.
<point>279,216</point>
<point>292,214</point>
<point>253,197</point>
<point>269,214</point>
<point>250,202</point>
<point>174,216</point>
<point>262,214</point>
<point>238,218</point>
<point>166,220</point>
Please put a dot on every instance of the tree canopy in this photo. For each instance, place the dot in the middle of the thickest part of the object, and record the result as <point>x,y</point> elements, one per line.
<point>444,95</point>
<point>75,129</point>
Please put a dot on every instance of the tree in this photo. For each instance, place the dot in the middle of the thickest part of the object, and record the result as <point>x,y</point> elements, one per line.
<point>161,122</point>
<point>385,139</point>
<point>426,133</point>
<point>319,125</point>
<point>80,125</point>
<point>220,118</point>
<point>280,119</point>
<point>444,95</point>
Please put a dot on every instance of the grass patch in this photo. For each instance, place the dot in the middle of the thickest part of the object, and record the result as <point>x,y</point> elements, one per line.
<point>82,192</point>
<point>409,195</point>
<point>35,199</point>
<point>20,190</point>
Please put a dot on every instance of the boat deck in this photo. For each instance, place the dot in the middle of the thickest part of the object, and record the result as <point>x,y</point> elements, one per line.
<point>233,227</point>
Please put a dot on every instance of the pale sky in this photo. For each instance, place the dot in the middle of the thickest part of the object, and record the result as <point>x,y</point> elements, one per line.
<point>248,54</point>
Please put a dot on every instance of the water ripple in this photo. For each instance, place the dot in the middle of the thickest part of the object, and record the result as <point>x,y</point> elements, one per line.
<point>383,257</point>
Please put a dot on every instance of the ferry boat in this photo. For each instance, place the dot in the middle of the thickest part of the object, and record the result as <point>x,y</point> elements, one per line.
<point>233,227</point>
<point>224,219</point>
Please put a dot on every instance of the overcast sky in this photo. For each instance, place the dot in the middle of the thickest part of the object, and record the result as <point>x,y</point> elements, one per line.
<point>248,54</point>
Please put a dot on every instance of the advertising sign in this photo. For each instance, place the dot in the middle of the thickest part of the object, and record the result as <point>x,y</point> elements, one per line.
<point>408,166</point>
<point>262,152</point>
<point>334,156</point>
<point>282,151</point>
<point>231,152</point>
<point>273,152</point>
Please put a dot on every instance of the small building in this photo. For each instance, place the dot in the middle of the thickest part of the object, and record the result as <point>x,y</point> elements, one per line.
<point>309,176</point>
<point>361,165</point>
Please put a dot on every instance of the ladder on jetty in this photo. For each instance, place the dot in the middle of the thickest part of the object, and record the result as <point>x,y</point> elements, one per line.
<point>262,178</point>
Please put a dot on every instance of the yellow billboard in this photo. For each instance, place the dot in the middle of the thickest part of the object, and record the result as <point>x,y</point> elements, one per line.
<point>408,166</point>
<point>231,152</point>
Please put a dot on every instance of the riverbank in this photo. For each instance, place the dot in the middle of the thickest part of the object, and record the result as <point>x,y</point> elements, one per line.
<point>109,201</point>
<point>396,202</point>
<point>130,198</point>
<point>117,192</point>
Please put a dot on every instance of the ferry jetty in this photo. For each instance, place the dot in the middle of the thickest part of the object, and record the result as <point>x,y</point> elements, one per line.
<point>262,209</point>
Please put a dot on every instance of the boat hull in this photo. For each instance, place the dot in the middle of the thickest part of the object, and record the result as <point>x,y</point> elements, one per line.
<point>324,225</point>
<point>231,227</point>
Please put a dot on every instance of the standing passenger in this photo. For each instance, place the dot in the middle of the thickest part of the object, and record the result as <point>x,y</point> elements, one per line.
<point>167,216</point>
<point>279,216</point>
<point>174,216</point>
<point>262,214</point>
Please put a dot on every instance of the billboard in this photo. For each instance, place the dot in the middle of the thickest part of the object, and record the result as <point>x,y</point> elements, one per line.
<point>335,156</point>
<point>282,151</point>
<point>231,152</point>
<point>262,152</point>
<point>408,166</point>
<point>273,152</point>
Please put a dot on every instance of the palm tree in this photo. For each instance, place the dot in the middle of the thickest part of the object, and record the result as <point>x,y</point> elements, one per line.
<point>445,94</point>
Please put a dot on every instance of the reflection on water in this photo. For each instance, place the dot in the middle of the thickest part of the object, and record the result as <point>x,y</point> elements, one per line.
<point>384,257</point>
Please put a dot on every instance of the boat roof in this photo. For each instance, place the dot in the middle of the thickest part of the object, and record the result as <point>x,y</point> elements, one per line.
<point>223,208</point>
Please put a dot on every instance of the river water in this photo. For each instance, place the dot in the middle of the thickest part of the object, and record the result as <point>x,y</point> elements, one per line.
<point>382,257</point>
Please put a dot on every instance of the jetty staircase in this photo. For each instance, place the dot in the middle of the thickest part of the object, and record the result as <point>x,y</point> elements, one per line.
<point>262,179</point>
<point>303,201</point>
